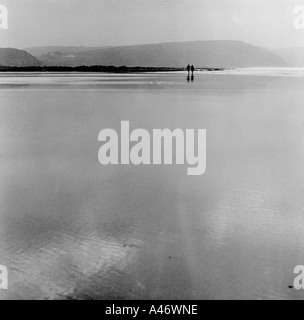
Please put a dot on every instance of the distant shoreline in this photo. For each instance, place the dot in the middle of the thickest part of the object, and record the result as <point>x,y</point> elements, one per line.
<point>103,69</point>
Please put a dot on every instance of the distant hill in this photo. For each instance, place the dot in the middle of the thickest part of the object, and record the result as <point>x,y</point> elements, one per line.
<point>293,56</point>
<point>211,54</point>
<point>17,58</point>
<point>51,50</point>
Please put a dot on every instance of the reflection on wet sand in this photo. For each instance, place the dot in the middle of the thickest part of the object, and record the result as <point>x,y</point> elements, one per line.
<point>72,229</point>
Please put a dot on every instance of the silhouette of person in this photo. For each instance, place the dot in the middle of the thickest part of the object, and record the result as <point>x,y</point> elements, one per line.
<point>188,68</point>
<point>192,70</point>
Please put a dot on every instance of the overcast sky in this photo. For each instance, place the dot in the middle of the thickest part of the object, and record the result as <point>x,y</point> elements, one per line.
<point>267,23</point>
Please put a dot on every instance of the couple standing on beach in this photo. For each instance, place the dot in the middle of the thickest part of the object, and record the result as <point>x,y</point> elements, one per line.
<point>190,68</point>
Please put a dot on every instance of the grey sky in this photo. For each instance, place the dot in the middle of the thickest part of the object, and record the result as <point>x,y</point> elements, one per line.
<point>266,23</point>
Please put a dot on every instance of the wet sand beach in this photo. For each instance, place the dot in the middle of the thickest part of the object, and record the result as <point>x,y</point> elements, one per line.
<point>73,229</point>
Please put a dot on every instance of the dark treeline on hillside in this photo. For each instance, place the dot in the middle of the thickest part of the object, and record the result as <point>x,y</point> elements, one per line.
<point>105,69</point>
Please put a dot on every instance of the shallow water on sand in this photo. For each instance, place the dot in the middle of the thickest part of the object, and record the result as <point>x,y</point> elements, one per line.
<point>70,228</point>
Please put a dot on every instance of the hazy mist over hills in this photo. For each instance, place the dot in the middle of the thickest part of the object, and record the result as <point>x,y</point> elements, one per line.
<point>213,54</point>
<point>40,51</point>
<point>119,22</point>
<point>293,56</point>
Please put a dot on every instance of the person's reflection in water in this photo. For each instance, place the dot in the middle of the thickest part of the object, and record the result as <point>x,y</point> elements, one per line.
<point>188,78</point>
<point>192,78</point>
